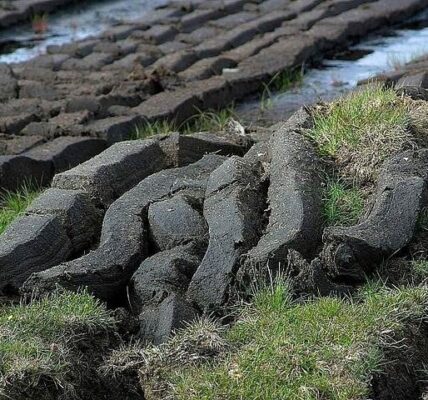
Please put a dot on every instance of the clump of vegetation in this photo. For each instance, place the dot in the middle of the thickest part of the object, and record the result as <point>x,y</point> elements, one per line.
<point>12,204</point>
<point>358,133</point>
<point>196,344</point>
<point>202,121</point>
<point>285,80</point>
<point>280,83</point>
<point>148,129</point>
<point>323,348</point>
<point>343,204</point>
<point>420,270</point>
<point>209,121</point>
<point>37,340</point>
<point>418,125</point>
<point>361,130</point>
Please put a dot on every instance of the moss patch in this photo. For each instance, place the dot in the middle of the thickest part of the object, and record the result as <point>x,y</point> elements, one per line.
<point>321,349</point>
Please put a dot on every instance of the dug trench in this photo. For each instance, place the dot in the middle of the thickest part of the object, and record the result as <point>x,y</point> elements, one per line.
<point>174,227</point>
<point>66,106</point>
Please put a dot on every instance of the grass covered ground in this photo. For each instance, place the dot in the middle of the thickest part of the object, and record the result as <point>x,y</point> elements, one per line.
<point>37,340</point>
<point>13,204</point>
<point>323,349</point>
<point>343,203</point>
<point>362,129</point>
<point>279,349</point>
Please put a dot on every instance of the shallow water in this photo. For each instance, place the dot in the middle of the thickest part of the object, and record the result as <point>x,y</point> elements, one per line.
<point>19,43</point>
<point>335,77</point>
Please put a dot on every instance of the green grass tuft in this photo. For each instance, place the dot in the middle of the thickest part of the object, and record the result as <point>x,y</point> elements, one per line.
<point>202,121</point>
<point>35,339</point>
<point>209,121</point>
<point>286,80</point>
<point>342,205</point>
<point>149,129</point>
<point>12,204</point>
<point>347,121</point>
<point>361,130</point>
<point>280,83</point>
<point>325,348</point>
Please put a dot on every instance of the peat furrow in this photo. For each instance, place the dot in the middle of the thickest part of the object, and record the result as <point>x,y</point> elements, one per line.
<point>287,53</point>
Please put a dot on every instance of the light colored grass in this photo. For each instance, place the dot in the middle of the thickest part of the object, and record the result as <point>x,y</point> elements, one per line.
<point>36,339</point>
<point>418,113</point>
<point>322,349</point>
<point>209,121</point>
<point>12,204</point>
<point>342,205</point>
<point>361,130</point>
<point>398,61</point>
<point>420,269</point>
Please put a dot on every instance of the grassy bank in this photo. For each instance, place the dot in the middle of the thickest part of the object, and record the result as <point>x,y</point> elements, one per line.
<point>326,348</point>
<point>37,341</point>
